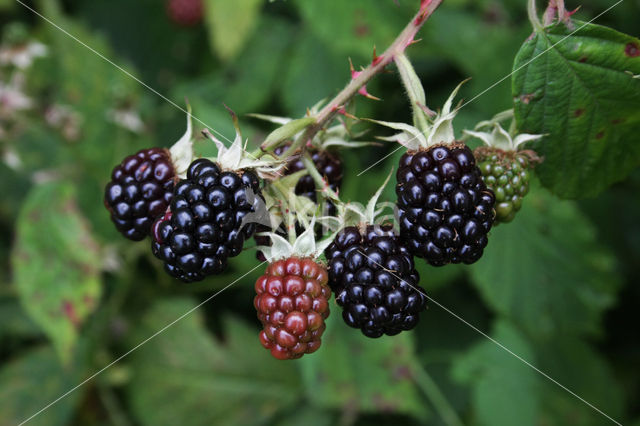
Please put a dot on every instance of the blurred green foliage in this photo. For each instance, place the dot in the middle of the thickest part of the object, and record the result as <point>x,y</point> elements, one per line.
<point>558,286</point>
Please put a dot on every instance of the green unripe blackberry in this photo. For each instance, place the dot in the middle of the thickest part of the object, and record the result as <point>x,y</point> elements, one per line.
<point>507,174</point>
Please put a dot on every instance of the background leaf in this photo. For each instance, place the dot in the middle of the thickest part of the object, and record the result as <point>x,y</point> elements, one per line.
<point>357,373</point>
<point>504,390</point>
<point>56,264</point>
<point>31,382</point>
<point>581,94</point>
<point>355,26</point>
<point>546,270</point>
<point>580,368</point>
<point>230,23</point>
<point>184,376</point>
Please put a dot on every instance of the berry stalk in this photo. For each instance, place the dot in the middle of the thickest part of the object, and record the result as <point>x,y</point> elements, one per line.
<point>321,183</point>
<point>431,390</point>
<point>361,78</point>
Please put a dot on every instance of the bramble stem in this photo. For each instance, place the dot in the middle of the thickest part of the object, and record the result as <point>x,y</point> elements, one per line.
<point>337,104</point>
<point>435,395</point>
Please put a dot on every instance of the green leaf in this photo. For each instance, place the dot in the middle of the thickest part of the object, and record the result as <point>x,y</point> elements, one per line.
<point>504,390</point>
<point>547,271</point>
<point>31,382</point>
<point>353,372</point>
<point>15,322</point>
<point>580,368</point>
<point>312,73</point>
<point>287,131</point>
<point>230,24</point>
<point>246,84</point>
<point>56,264</point>
<point>184,376</point>
<point>307,415</point>
<point>582,95</point>
<point>355,26</point>
<point>452,34</point>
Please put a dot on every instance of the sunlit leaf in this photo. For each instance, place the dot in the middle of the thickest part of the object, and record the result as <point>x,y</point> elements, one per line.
<point>185,376</point>
<point>581,94</point>
<point>56,264</point>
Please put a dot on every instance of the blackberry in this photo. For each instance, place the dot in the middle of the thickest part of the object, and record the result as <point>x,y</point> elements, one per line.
<point>375,281</point>
<point>185,13</point>
<point>292,304</point>
<point>140,190</point>
<point>328,164</point>
<point>507,174</point>
<point>204,225</point>
<point>445,210</point>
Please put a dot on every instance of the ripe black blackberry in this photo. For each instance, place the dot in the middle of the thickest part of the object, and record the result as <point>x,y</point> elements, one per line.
<point>445,209</point>
<point>140,190</point>
<point>330,167</point>
<point>375,281</point>
<point>204,226</point>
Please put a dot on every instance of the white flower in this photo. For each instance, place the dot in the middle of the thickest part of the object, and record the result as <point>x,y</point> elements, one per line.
<point>22,56</point>
<point>127,118</point>
<point>12,98</point>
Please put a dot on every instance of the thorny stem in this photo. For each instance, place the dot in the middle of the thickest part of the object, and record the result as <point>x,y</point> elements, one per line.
<point>435,395</point>
<point>337,104</point>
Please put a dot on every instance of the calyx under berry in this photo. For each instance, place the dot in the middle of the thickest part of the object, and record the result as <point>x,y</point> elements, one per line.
<point>498,137</point>
<point>236,157</point>
<point>429,128</point>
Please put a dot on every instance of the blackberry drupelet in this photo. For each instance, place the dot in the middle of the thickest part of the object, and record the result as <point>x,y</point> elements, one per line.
<point>140,190</point>
<point>292,304</point>
<point>375,282</point>
<point>204,225</point>
<point>445,209</point>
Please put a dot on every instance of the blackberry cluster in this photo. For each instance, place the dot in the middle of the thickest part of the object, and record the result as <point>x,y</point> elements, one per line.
<point>375,281</point>
<point>204,225</point>
<point>329,166</point>
<point>186,13</point>
<point>140,190</point>
<point>292,304</point>
<point>507,175</point>
<point>445,209</point>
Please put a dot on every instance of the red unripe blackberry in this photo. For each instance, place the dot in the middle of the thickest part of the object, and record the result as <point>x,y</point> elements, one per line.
<point>186,13</point>
<point>328,164</point>
<point>375,281</point>
<point>292,301</point>
<point>140,190</point>
<point>205,226</point>
<point>445,209</point>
